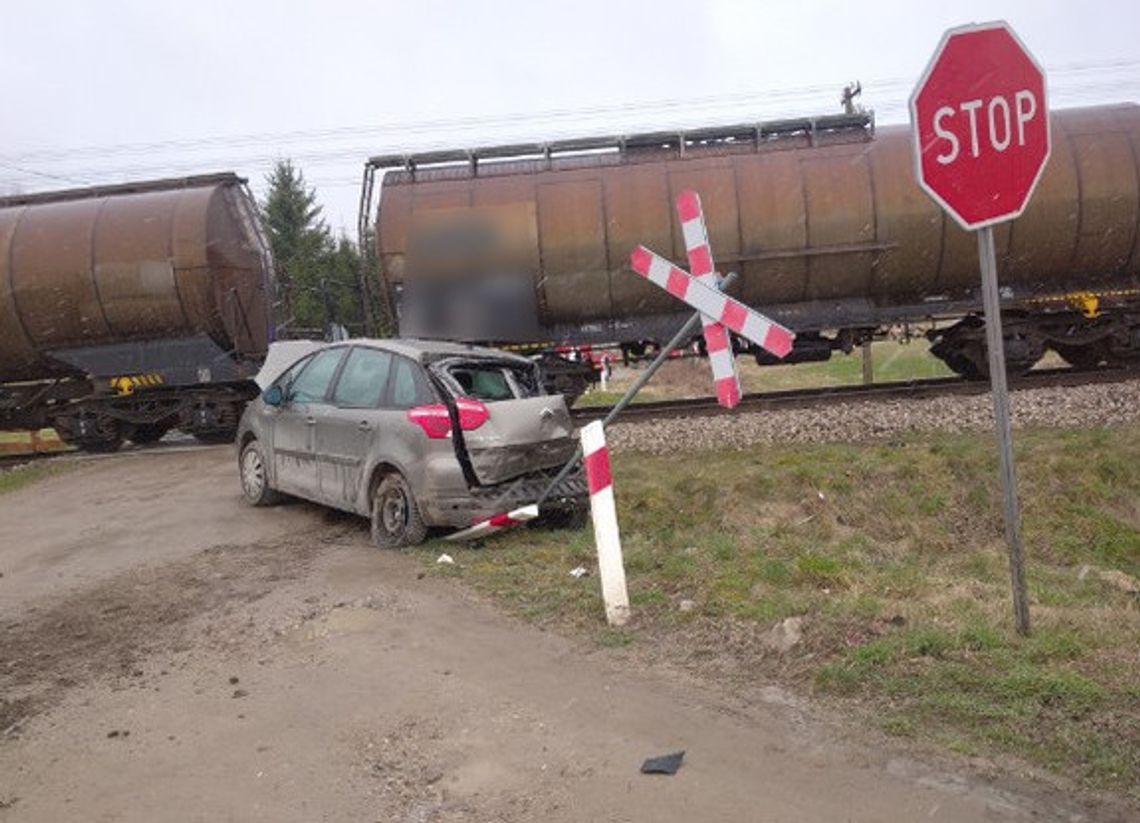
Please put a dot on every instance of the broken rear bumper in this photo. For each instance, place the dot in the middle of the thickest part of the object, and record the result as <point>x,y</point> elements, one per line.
<point>484,501</point>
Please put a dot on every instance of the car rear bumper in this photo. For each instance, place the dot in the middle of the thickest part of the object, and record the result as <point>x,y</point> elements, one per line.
<point>461,510</point>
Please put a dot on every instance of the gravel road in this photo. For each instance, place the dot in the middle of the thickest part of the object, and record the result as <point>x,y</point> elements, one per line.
<point>1097,405</point>
<point>167,653</point>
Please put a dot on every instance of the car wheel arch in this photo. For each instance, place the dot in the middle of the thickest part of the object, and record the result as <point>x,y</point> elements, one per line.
<point>378,472</point>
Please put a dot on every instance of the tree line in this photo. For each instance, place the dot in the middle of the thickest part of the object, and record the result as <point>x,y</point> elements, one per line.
<point>319,274</point>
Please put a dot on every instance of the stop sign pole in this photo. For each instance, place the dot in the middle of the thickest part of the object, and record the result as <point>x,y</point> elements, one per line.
<point>981,135</point>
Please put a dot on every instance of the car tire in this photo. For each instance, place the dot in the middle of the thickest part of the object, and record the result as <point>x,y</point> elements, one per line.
<point>252,469</point>
<point>396,519</point>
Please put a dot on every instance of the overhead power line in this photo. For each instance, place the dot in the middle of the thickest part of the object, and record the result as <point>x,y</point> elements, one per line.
<point>44,174</point>
<point>888,110</point>
<point>494,122</point>
<point>338,161</point>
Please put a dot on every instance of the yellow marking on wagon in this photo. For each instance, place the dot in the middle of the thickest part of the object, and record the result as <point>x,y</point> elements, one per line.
<point>128,383</point>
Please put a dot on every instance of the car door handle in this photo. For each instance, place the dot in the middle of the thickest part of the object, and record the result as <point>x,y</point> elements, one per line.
<point>312,421</point>
<point>364,426</point>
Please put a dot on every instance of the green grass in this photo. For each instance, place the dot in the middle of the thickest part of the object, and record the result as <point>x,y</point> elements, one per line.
<point>893,553</point>
<point>690,377</point>
<point>890,361</point>
<point>17,478</point>
<point>597,397</point>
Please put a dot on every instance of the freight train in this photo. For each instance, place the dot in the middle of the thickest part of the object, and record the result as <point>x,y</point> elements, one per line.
<point>822,218</point>
<point>126,311</point>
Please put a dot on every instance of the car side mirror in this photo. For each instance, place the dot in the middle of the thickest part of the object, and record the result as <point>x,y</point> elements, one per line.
<point>273,396</point>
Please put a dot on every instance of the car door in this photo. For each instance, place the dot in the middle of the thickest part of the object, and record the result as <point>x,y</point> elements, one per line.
<point>346,433</point>
<point>511,428</point>
<point>294,443</point>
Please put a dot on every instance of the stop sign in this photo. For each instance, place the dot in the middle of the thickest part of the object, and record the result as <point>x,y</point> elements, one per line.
<point>981,125</point>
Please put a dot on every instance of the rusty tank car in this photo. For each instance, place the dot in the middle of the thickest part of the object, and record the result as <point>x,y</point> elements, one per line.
<point>129,310</point>
<point>821,217</point>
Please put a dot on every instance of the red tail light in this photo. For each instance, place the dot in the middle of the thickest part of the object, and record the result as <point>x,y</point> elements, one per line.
<point>436,421</point>
<point>472,413</point>
<point>433,419</point>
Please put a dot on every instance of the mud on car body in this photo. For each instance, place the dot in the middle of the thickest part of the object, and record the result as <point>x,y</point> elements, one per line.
<point>413,434</point>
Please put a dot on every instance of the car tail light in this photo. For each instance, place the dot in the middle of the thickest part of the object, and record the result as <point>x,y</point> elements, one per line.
<point>433,419</point>
<point>472,413</point>
<point>436,421</point>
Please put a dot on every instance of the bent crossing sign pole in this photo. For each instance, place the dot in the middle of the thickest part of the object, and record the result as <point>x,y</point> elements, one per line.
<point>981,133</point>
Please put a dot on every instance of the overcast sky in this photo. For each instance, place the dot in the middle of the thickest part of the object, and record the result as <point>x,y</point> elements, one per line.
<point>113,90</point>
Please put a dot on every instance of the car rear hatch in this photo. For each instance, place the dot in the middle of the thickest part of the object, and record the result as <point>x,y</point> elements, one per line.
<point>507,427</point>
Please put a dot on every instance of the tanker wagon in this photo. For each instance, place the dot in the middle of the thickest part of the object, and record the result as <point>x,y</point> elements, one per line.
<point>126,311</point>
<point>822,218</point>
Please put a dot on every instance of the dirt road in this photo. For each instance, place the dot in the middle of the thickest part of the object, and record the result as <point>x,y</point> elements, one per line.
<point>167,653</point>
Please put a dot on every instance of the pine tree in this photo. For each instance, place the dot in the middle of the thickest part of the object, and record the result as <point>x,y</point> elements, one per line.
<point>301,243</point>
<point>342,285</point>
<point>320,274</point>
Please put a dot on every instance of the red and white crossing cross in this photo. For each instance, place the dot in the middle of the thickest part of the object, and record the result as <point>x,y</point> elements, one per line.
<point>749,324</point>
<point>717,343</point>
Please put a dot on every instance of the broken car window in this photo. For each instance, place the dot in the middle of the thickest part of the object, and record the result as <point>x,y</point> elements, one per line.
<point>484,382</point>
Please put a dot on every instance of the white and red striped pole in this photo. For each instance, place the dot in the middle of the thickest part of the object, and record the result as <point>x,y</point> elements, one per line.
<point>717,342</point>
<point>496,523</point>
<point>611,567</point>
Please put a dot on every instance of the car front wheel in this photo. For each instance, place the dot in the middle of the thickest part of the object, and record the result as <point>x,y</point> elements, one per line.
<point>396,520</point>
<point>254,476</point>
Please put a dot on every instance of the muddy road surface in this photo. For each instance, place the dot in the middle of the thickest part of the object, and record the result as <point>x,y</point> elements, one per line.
<point>169,654</point>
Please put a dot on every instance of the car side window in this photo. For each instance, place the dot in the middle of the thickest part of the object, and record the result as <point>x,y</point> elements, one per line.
<point>290,375</point>
<point>312,384</point>
<point>362,381</point>
<point>410,387</point>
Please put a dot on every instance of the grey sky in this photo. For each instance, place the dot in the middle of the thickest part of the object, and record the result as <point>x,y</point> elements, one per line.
<point>129,89</point>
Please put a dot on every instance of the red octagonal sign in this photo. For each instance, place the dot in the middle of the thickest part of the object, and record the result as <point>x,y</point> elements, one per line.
<point>981,125</point>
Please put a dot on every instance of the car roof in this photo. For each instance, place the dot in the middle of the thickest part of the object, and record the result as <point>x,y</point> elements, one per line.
<point>424,351</point>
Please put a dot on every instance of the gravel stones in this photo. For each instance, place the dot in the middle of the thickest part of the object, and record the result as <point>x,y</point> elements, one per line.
<point>862,420</point>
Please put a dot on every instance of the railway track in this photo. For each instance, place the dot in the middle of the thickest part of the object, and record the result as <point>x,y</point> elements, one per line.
<point>827,395</point>
<point>707,406</point>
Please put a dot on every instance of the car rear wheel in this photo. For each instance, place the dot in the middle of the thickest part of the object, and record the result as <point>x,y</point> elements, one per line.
<point>396,520</point>
<point>254,477</point>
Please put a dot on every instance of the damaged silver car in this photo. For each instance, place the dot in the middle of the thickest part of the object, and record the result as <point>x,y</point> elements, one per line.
<point>413,434</point>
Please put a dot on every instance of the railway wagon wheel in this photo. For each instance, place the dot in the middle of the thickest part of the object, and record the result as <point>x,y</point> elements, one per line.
<point>145,434</point>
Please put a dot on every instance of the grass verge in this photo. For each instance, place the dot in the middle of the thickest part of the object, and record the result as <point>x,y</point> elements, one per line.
<point>20,476</point>
<point>689,377</point>
<point>891,553</point>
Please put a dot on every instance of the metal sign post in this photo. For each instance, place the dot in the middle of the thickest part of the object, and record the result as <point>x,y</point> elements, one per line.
<point>981,134</point>
<point>995,347</point>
